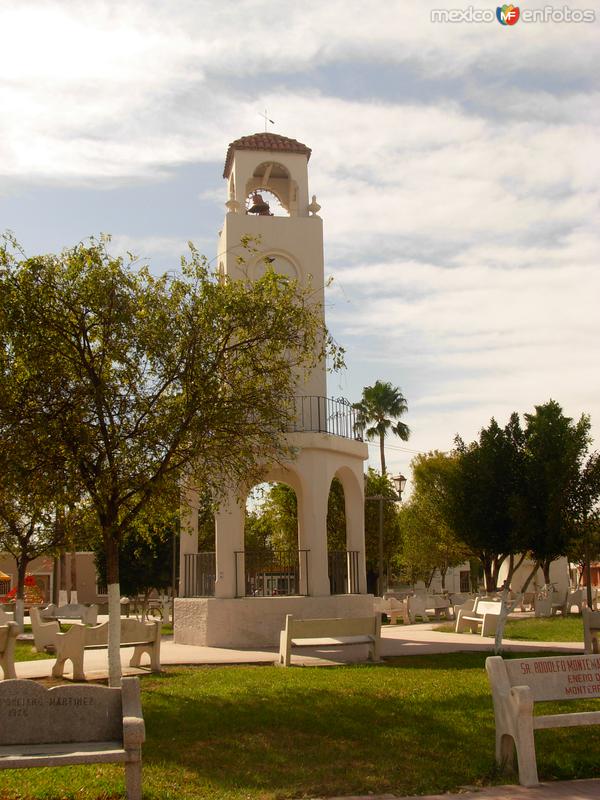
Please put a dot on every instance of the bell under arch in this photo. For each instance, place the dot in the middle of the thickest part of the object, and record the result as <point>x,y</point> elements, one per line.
<point>275,178</point>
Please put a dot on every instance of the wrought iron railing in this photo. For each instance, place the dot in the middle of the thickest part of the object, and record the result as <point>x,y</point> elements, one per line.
<point>343,572</point>
<point>326,415</point>
<point>199,573</point>
<point>268,573</point>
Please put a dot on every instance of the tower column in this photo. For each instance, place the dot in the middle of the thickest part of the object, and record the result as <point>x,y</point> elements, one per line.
<point>188,539</point>
<point>312,524</point>
<point>229,526</point>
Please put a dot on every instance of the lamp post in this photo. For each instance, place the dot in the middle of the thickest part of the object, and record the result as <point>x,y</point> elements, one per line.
<point>399,482</point>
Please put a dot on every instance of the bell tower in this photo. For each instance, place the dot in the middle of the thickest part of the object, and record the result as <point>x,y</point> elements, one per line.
<point>237,597</point>
<point>263,171</point>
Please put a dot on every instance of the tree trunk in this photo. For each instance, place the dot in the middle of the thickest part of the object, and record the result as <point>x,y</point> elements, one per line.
<point>20,598</point>
<point>73,596</point>
<point>536,566</point>
<point>490,584</point>
<point>114,608</point>
<point>382,452</point>
<point>546,570</point>
<point>443,571</point>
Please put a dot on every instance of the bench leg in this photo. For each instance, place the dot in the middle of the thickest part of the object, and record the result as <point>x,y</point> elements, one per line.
<point>285,650</point>
<point>58,668</point>
<point>136,658</point>
<point>133,777</point>
<point>8,667</point>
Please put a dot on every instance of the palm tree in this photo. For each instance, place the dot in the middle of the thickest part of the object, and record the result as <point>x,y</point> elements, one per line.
<point>380,405</point>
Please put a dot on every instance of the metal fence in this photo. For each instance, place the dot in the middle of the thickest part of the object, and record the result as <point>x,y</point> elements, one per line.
<point>269,573</point>
<point>326,415</point>
<point>199,573</point>
<point>343,572</point>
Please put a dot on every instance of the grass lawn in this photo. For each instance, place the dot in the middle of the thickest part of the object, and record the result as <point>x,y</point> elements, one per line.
<point>415,725</point>
<point>25,651</point>
<point>545,629</point>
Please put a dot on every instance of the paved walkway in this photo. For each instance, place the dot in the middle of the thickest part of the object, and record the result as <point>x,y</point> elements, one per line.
<point>558,790</point>
<point>398,640</point>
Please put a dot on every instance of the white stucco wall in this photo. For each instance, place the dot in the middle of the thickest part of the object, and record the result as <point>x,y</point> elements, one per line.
<point>256,621</point>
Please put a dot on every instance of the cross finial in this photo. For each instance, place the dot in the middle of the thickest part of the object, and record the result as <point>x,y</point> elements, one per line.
<point>266,119</point>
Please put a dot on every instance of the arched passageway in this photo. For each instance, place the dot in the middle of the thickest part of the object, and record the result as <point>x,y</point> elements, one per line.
<point>272,562</point>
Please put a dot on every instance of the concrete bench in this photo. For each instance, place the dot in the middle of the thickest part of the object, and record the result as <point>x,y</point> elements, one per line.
<point>72,725</point>
<point>519,683</point>
<point>591,630</point>
<point>345,631</point>
<point>44,632</point>
<point>393,608</point>
<point>77,611</point>
<point>551,604</point>
<point>6,616</point>
<point>484,615</point>
<point>8,640</point>
<point>143,636</point>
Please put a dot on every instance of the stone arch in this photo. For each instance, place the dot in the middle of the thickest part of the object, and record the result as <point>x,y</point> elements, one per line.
<point>355,527</point>
<point>273,177</point>
<point>274,567</point>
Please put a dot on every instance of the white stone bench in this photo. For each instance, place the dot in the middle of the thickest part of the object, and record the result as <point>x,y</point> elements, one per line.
<point>8,640</point>
<point>591,630</point>
<point>338,632</point>
<point>72,725</point>
<point>6,616</point>
<point>484,615</point>
<point>143,636</point>
<point>44,632</point>
<point>77,611</point>
<point>519,683</point>
<point>550,604</point>
<point>393,608</point>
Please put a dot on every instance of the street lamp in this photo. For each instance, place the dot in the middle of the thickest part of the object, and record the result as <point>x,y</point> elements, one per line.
<point>399,482</point>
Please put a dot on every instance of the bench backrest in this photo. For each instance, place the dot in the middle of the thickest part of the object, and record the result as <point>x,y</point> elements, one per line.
<point>131,631</point>
<point>332,628</point>
<point>5,617</point>
<point>31,714</point>
<point>487,606</point>
<point>6,632</point>
<point>80,611</point>
<point>549,678</point>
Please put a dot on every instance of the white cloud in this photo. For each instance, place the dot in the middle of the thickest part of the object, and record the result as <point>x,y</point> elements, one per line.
<point>460,225</point>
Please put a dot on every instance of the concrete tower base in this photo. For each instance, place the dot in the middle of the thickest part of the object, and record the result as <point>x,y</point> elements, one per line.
<point>256,621</point>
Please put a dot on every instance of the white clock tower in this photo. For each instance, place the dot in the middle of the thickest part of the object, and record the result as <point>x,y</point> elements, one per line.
<point>234,597</point>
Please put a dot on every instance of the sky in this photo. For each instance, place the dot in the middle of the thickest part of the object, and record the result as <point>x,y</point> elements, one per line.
<point>457,166</point>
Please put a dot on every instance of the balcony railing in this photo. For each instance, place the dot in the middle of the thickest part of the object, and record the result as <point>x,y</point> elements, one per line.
<point>326,415</point>
<point>199,573</point>
<point>343,572</point>
<point>269,573</point>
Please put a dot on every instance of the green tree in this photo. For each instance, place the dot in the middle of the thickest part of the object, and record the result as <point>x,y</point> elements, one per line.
<point>379,406</point>
<point>336,517</point>
<point>482,495</point>
<point>429,543</point>
<point>561,483</point>
<point>145,555</point>
<point>377,485</point>
<point>33,521</point>
<point>135,378</point>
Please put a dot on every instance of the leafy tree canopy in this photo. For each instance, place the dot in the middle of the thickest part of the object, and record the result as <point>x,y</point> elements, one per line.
<point>133,379</point>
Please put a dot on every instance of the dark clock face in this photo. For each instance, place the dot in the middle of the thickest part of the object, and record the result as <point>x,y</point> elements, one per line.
<point>279,263</point>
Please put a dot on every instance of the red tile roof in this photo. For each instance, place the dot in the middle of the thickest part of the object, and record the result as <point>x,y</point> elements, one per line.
<point>264,141</point>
